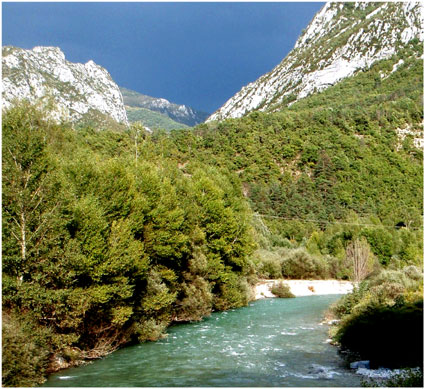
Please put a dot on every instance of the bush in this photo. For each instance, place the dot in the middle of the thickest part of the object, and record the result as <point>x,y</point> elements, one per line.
<point>268,264</point>
<point>386,288</point>
<point>271,267</point>
<point>24,354</point>
<point>282,290</point>
<point>387,336</point>
<point>408,277</point>
<point>346,304</point>
<point>279,241</point>
<point>233,293</point>
<point>299,264</point>
<point>197,301</point>
<point>413,272</point>
<point>150,329</point>
<point>338,268</point>
<point>390,285</point>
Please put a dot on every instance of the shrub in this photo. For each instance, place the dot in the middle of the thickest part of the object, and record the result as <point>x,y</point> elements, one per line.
<point>268,263</point>
<point>345,305</point>
<point>281,290</point>
<point>385,288</point>
<point>413,273</point>
<point>271,268</point>
<point>279,241</point>
<point>150,329</point>
<point>299,264</point>
<point>24,354</point>
<point>387,336</point>
<point>197,301</point>
<point>233,293</point>
<point>389,284</point>
<point>338,268</point>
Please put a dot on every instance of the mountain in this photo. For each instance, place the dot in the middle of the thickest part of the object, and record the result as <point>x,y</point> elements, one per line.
<point>151,119</point>
<point>355,147</point>
<point>341,40</point>
<point>80,92</point>
<point>178,113</point>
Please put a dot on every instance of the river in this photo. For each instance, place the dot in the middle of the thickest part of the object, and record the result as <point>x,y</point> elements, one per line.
<point>272,342</point>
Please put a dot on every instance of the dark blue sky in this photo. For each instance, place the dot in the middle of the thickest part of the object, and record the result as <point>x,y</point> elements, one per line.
<point>199,54</point>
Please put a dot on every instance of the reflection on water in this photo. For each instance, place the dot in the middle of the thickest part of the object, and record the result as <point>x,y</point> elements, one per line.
<point>273,342</point>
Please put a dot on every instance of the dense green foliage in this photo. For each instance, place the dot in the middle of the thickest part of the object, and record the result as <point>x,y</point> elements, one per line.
<point>24,355</point>
<point>296,263</point>
<point>101,248</point>
<point>377,326</point>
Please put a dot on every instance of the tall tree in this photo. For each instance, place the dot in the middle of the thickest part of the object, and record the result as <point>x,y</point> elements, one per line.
<point>30,190</point>
<point>359,254</point>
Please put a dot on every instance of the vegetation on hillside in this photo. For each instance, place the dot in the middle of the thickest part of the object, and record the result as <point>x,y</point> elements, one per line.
<point>330,154</point>
<point>331,168</point>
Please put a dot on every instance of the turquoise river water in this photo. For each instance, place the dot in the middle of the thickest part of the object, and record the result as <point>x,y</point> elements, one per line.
<point>272,342</point>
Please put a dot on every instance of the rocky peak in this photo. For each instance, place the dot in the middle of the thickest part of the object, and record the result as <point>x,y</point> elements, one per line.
<point>342,39</point>
<point>78,90</point>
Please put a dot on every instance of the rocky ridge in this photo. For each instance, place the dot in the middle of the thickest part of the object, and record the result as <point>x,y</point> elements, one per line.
<point>180,113</point>
<point>77,90</point>
<point>342,39</point>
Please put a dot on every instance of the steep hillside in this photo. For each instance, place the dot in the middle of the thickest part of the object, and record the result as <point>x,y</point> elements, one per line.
<point>178,113</point>
<point>342,39</point>
<point>355,147</point>
<point>80,92</point>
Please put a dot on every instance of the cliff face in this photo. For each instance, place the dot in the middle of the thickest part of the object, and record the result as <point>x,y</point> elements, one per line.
<point>76,90</point>
<point>342,39</point>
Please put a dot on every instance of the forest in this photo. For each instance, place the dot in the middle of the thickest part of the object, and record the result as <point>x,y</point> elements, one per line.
<point>111,236</point>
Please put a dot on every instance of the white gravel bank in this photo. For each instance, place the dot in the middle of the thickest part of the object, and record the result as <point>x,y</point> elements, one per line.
<point>304,287</point>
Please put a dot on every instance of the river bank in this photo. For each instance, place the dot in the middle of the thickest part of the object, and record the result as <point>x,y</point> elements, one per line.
<point>304,287</point>
<point>261,291</point>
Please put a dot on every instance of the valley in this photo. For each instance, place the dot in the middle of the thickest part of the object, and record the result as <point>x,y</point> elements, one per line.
<point>125,216</point>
